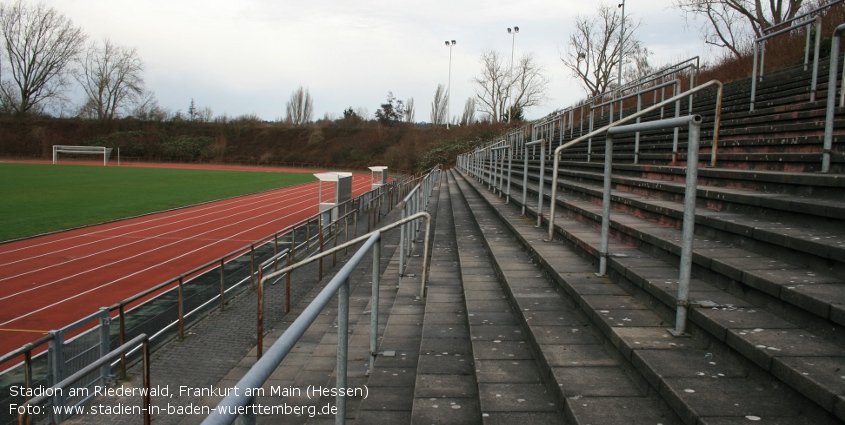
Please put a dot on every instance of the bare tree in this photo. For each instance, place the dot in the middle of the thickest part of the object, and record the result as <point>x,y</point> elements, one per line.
<point>733,24</point>
<point>40,44</point>
<point>468,117</point>
<point>204,114</point>
<point>529,85</point>
<point>111,77</point>
<point>148,109</point>
<point>300,107</point>
<point>526,84</point>
<point>492,85</point>
<point>438,106</point>
<point>410,111</point>
<point>592,53</point>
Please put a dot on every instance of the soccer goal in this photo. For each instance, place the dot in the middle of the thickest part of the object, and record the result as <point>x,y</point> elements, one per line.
<point>81,150</point>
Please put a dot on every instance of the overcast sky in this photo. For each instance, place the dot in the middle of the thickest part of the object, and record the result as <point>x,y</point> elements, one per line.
<point>247,56</point>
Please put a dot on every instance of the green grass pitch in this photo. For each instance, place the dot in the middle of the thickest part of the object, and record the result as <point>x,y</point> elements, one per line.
<point>40,198</point>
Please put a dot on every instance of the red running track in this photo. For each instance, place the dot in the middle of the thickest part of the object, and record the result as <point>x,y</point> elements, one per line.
<point>53,280</point>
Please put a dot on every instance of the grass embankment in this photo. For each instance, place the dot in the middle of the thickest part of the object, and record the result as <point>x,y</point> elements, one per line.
<point>44,198</point>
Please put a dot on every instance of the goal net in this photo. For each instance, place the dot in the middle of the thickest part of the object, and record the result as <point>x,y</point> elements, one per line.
<point>81,150</point>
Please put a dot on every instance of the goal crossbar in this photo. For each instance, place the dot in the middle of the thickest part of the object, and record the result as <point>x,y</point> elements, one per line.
<point>85,150</point>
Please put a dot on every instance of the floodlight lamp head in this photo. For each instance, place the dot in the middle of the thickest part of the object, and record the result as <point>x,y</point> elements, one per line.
<point>509,30</point>
<point>447,43</point>
<point>454,42</point>
<point>515,29</point>
<point>620,4</point>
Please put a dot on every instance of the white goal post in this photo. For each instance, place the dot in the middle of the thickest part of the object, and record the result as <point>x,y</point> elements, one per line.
<point>87,150</point>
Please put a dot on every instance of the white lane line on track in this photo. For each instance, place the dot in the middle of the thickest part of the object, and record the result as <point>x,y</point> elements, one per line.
<point>157,217</point>
<point>129,275</point>
<point>361,185</point>
<point>161,247</point>
<point>275,202</point>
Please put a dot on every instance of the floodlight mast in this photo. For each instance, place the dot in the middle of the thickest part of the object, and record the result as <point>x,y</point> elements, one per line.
<point>513,44</point>
<point>449,86</point>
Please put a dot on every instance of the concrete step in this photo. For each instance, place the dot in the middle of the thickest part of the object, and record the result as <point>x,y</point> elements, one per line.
<point>514,384</point>
<point>735,366</point>
<point>446,390</point>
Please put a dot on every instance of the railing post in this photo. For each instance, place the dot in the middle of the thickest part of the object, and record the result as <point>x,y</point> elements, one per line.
<point>121,338</point>
<point>542,180</point>
<point>252,266</point>
<point>831,97</point>
<point>105,344</point>
<point>374,306</point>
<point>605,205</point>
<point>688,232</point>
<point>342,348</point>
<point>814,80</point>
<point>637,134</point>
<point>57,365</point>
<point>753,76</point>
<point>524,178</point>
<point>145,360</point>
<point>402,243</point>
<point>222,285</point>
<point>510,167</point>
<point>259,327</point>
<point>320,239</point>
<point>287,284</point>
<point>181,309</point>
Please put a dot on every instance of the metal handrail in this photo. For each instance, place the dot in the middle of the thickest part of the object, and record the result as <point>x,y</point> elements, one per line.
<point>690,192</point>
<point>626,120</point>
<point>760,41</point>
<point>228,409</point>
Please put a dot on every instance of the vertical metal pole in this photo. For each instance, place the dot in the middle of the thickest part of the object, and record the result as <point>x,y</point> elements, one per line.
<point>181,308</point>
<point>252,265</point>
<point>688,231</point>
<point>676,90</point>
<point>637,134</point>
<point>753,76</point>
<point>510,168</point>
<point>293,242</point>
<point>605,205</point>
<point>146,381</point>
<point>260,321</point>
<point>374,306</point>
<point>807,48</point>
<point>105,344</point>
<point>590,140</point>
<point>342,348</point>
<point>402,243</point>
<point>524,178</point>
<point>320,239</point>
<point>831,98</point>
<point>542,178</point>
<point>814,81</point>
<point>287,284</point>
<point>121,338</point>
<point>222,286</point>
<point>57,365</point>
